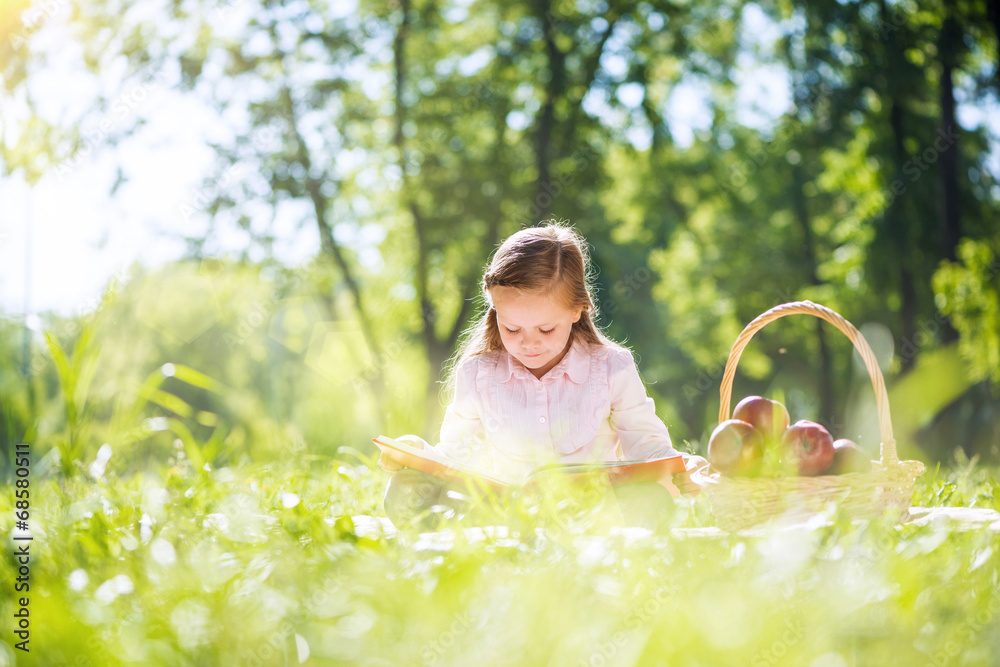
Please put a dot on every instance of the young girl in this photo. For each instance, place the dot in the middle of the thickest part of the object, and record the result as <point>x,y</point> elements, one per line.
<point>537,380</point>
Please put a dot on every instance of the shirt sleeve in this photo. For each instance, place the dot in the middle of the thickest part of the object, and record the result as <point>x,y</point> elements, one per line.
<point>463,437</point>
<point>642,434</point>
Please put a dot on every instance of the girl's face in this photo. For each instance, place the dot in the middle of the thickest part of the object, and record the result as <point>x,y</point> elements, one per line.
<point>534,327</point>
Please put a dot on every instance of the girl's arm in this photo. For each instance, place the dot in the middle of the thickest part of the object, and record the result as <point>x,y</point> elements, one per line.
<point>642,434</point>
<point>463,437</point>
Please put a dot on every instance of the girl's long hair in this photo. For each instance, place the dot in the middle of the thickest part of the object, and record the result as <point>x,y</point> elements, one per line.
<point>550,259</point>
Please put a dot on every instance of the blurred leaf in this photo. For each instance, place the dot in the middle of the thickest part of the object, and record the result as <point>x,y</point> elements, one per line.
<point>197,379</point>
<point>191,446</point>
<point>170,402</point>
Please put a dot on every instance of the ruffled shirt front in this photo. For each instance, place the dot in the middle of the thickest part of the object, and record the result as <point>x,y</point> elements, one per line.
<point>505,419</point>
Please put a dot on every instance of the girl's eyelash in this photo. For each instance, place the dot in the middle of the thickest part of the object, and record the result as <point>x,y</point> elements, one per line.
<point>542,330</point>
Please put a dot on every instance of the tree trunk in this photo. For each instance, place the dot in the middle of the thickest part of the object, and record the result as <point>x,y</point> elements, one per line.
<point>329,247</point>
<point>993,9</point>
<point>951,222</point>
<point>826,390</point>
<point>898,229</point>
<point>554,89</point>
<point>897,226</point>
<point>428,313</point>
<point>951,227</point>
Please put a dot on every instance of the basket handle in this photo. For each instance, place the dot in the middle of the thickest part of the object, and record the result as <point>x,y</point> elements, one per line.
<point>888,445</point>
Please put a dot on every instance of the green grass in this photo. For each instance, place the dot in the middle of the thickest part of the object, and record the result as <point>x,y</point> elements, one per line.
<point>228,569</point>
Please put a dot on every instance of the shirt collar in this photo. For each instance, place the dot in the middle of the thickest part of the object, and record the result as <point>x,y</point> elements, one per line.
<point>575,365</point>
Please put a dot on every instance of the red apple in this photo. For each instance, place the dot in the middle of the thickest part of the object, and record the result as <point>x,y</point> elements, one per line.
<point>735,448</point>
<point>809,445</point>
<point>849,457</point>
<point>767,416</point>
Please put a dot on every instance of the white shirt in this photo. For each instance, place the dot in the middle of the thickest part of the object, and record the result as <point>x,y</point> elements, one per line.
<point>505,419</point>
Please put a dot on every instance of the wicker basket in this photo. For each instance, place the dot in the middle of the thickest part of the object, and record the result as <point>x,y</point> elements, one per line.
<point>740,502</point>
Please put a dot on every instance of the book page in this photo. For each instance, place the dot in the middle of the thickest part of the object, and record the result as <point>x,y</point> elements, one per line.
<point>660,471</point>
<point>428,460</point>
<point>387,443</point>
<point>609,465</point>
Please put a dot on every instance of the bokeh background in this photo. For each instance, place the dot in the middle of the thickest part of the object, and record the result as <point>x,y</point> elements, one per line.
<point>297,200</point>
<point>240,238</point>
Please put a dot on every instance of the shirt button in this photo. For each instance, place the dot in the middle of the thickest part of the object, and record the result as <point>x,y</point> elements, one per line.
<point>541,419</point>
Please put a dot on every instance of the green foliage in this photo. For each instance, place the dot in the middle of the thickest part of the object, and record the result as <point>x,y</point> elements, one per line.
<point>76,372</point>
<point>285,563</point>
<point>102,403</point>
<point>969,294</point>
<point>227,406</point>
<point>15,393</point>
<point>265,370</point>
<point>411,138</point>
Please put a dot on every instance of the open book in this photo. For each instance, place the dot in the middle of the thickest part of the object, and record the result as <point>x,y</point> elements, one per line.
<point>618,472</point>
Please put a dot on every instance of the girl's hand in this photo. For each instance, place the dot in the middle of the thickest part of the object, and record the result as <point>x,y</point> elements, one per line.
<point>683,480</point>
<point>388,464</point>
